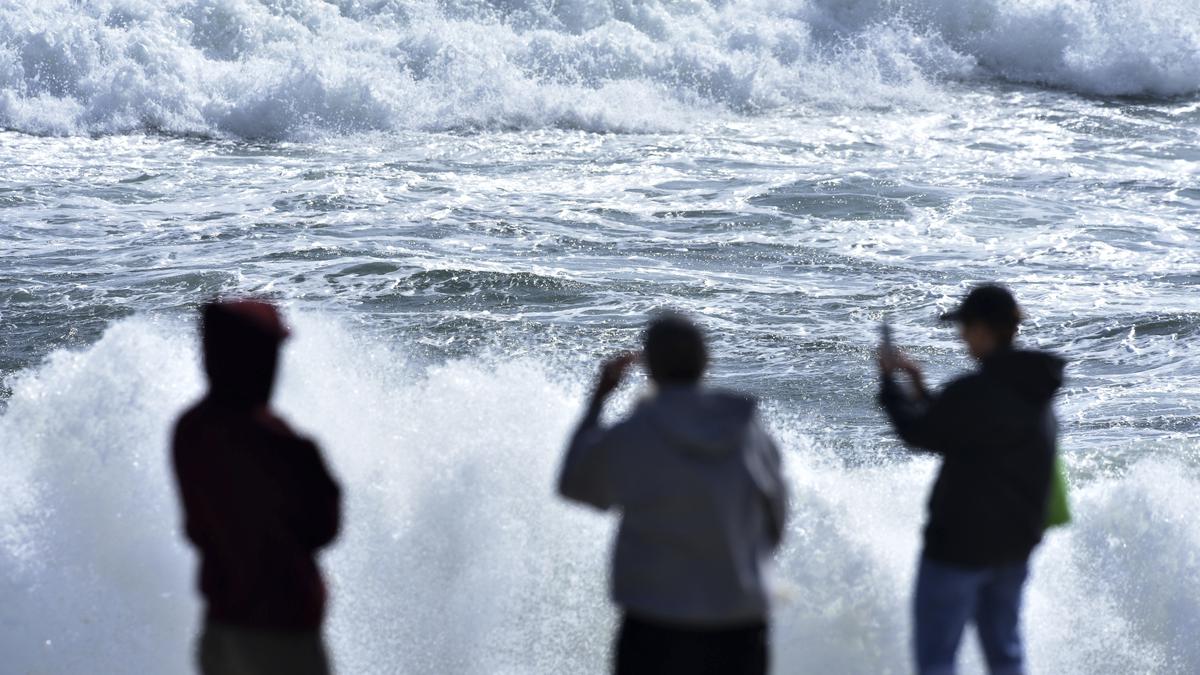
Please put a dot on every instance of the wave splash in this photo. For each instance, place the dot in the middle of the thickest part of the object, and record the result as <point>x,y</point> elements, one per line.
<point>456,557</point>
<point>280,69</point>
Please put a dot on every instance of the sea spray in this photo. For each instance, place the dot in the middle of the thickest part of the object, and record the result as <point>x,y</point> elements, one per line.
<point>457,557</point>
<point>95,576</point>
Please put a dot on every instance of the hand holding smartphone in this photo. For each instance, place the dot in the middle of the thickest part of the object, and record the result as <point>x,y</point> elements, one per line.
<point>892,359</point>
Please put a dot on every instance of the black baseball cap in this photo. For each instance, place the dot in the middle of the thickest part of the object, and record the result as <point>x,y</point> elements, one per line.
<point>990,303</point>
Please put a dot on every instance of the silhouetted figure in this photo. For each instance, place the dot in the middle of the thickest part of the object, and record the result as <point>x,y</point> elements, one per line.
<point>697,481</point>
<point>258,504</point>
<point>996,431</point>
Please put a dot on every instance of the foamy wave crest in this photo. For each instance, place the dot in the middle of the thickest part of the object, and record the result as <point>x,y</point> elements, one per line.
<point>456,556</point>
<point>1105,47</point>
<point>275,69</point>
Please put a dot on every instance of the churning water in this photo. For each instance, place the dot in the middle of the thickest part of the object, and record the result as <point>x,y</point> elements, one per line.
<point>463,203</point>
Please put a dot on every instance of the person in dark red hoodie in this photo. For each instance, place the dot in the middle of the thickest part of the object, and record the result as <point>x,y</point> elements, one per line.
<point>258,504</point>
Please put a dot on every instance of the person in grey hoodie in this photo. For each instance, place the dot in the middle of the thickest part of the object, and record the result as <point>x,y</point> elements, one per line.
<point>703,504</point>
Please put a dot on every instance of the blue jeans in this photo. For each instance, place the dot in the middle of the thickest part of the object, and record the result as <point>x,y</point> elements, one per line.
<point>948,596</point>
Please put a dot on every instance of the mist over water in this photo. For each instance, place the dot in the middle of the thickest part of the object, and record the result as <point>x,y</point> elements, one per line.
<point>461,205</point>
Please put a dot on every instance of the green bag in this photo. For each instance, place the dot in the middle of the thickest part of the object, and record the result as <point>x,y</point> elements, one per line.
<point>1058,511</point>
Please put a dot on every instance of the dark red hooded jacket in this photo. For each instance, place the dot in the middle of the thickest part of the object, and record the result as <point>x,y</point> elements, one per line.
<point>258,501</point>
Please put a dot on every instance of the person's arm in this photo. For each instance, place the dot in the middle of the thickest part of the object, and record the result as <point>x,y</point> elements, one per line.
<point>320,497</point>
<point>922,420</point>
<point>210,516</point>
<point>766,468</point>
<point>584,476</point>
<point>192,479</point>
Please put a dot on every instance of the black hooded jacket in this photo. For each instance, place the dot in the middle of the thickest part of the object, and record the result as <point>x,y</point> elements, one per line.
<point>997,433</point>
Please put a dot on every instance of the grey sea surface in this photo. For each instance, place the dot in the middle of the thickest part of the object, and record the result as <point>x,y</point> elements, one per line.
<point>452,290</point>
<point>790,236</point>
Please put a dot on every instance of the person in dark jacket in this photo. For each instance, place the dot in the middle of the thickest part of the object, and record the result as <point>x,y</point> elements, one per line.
<point>703,504</point>
<point>996,432</point>
<point>258,504</point>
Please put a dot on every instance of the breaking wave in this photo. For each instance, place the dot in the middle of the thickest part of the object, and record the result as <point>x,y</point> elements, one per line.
<point>456,557</point>
<point>284,69</point>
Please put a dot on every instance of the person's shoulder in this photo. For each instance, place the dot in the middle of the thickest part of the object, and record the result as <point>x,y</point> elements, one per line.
<point>188,440</point>
<point>639,415</point>
<point>732,397</point>
<point>722,398</point>
<point>192,418</point>
<point>966,384</point>
<point>738,408</point>
<point>1040,359</point>
<point>280,433</point>
<point>270,423</point>
<point>633,424</point>
<point>703,399</point>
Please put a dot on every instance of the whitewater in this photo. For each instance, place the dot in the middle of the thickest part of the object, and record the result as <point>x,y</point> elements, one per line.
<point>462,205</point>
<point>284,68</point>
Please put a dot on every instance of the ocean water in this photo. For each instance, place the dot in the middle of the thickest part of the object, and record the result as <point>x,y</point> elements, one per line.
<point>463,204</point>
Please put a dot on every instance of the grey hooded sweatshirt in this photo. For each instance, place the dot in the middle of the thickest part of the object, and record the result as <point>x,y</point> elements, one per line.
<point>702,500</point>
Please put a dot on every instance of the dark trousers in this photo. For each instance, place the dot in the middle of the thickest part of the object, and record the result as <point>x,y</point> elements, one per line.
<point>650,648</point>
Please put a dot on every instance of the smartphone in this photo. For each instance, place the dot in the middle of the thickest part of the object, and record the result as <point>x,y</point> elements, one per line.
<point>885,336</point>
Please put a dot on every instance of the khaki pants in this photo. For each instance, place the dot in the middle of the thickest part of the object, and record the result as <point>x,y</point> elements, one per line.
<point>233,650</point>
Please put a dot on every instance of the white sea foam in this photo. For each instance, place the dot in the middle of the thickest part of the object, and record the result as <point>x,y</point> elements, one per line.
<point>456,557</point>
<point>284,69</point>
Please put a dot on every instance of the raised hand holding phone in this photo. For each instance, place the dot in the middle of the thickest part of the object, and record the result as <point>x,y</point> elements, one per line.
<point>891,359</point>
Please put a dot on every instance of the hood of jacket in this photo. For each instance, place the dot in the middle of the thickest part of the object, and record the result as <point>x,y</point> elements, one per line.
<point>1035,376</point>
<point>241,347</point>
<point>701,421</point>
